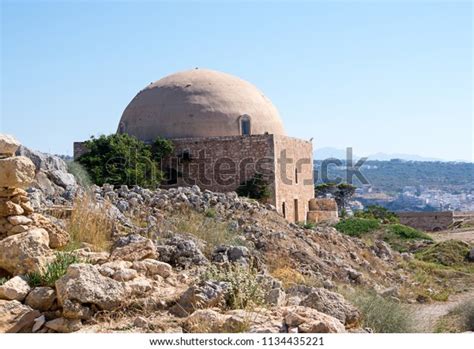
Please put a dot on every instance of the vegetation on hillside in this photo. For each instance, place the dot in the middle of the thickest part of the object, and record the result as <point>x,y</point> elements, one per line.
<point>380,314</point>
<point>459,319</point>
<point>255,188</point>
<point>448,253</point>
<point>122,159</point>
<point>53,271</point>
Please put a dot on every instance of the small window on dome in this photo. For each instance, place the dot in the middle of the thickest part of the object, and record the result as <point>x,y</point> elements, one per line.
<point>245,125</point>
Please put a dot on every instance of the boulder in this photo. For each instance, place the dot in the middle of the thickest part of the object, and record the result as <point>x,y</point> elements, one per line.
<point>234,254</point>
<point>180,252</point>
<point>204,321</point>
<point>39,322</point>
<point>84,284</point>
<point>309,320</point>
<point>8,145</point>
<point>25,252</point>
<point>17,172</point>
<point>15,289</point>
<point>64,325</point>
<point>135,251</point>
<point>75,310</point>
<point>16,220</point>
<point>58,237</point>
<point>15,317</point>
<point>41,298</point>
<point>152,267</point>
<point>8,208</point>
<point>333,304</point>
<point>207,294</point>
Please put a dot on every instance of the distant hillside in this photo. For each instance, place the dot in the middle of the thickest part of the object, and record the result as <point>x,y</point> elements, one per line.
<point>393,176</point>
<point>329,152</point>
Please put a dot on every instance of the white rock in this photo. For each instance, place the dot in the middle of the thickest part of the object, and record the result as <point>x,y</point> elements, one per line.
<point>15,289</point>
<point>39,322</point>
<point>8,144</point>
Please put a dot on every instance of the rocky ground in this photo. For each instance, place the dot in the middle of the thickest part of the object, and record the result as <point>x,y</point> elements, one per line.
<point>106,259</point>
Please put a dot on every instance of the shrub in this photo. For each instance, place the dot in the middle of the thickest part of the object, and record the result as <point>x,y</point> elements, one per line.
<point>378,212</point>
<point>357,226</point>
<point>459,319</point>
<point>53,271</point>
<point>123,159</point>
<point>448,253</point>
<point>245,290</point>
<point>90,223</point>
<point>255,188</point>
<point>381,314</point>
<point>406,232</point>
<point>3,280</point>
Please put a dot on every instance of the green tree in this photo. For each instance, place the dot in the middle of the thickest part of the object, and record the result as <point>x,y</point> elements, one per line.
<point>123,159</point>
<point>255,188</point>
<point>340,192</point>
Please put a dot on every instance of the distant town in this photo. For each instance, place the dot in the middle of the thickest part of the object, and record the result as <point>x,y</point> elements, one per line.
<point>402,185</point>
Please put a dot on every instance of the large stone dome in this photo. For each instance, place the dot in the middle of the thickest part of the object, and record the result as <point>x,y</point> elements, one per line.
<point>199,103</point>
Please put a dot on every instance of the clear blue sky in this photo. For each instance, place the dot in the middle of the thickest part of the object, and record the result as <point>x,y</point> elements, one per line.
<point>377,76</point>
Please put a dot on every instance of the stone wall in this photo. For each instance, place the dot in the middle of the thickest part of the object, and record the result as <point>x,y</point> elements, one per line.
<point>323,210</point>
<point>220,164</point>
<point>79,149</point>
<point>294,182</point>
<point>427,221</point>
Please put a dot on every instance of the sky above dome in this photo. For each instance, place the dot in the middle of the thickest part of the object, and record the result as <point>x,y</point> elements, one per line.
<point>392,77</point>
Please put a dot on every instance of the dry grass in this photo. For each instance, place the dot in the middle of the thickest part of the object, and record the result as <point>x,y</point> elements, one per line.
<point>89,223</point>
<point>203,226</point>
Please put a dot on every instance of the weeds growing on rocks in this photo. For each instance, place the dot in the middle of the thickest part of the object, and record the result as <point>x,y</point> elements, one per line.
<point>380,314</point>
<point>90,223</point>
<point>53,271</point>
<point>245,290</point>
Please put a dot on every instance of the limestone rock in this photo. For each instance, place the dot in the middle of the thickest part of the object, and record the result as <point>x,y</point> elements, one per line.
<point>207,294</point>
<point>8,208</point>
<point>152,267</point>
<point>181,252</point>
<point>64,325</point>
<point>83,283</point>
<point>75,310</point>
<point>17,172</point>
<point>8,145</point>
<point>41,298</point>
<point>309,320</point>
<point>333,304</point>
<point>139,286</point>
<point>135,251</point>
<point>58,237</point>
<point>15,289</point>
<point>25,252</point>
<point>204,321</point>
<point>39,322</point>
<point>15,316</point>
<point>236,254</point>
<point>16,220</point>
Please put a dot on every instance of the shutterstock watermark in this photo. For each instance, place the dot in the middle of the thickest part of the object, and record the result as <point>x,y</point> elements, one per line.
<point>204,169</point>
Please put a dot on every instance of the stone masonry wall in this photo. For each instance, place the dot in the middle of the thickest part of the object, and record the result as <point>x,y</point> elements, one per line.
<point>294,183</point>
<point>221,164</point>
<point>427,221</point>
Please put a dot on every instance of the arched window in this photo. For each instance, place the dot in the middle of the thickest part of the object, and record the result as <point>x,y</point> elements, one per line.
<point>245,129</point>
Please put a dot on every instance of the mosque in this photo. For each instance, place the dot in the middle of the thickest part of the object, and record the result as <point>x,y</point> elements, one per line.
<point>225,132</point>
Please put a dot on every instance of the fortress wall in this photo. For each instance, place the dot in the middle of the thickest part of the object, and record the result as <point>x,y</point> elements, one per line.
<point>427,221</point>
<point>293,154</point>
<point>221,164</point>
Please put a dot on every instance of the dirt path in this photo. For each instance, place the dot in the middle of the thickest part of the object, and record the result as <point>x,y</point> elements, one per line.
<point>426,315</point>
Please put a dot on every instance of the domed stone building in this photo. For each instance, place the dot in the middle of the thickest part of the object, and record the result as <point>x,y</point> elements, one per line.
<point>224,131</point>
